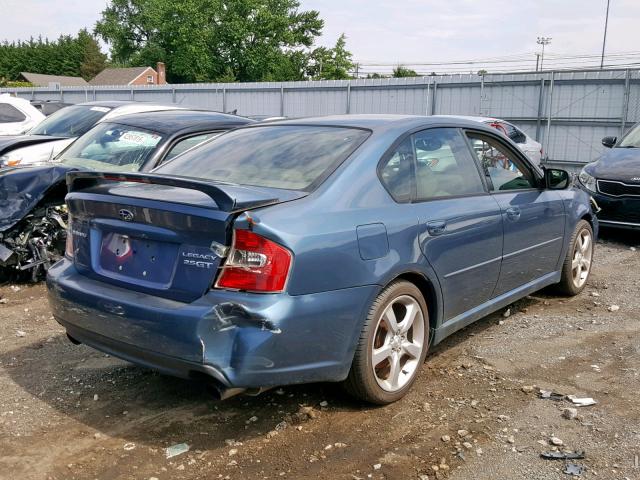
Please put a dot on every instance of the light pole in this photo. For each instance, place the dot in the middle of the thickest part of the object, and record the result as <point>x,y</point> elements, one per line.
<point>604,39</point>
<point>543,41</point>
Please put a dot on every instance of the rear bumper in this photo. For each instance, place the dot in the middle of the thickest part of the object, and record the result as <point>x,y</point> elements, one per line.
<point>241,340</point>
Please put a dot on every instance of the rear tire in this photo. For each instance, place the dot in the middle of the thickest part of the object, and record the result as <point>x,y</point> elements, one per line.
<point>392,346</point>
<point>578,262</point>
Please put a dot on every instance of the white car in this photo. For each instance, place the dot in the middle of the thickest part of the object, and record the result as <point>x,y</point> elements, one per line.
<point>56,132</point>
<point>528,145</point>
<point>17,115</point>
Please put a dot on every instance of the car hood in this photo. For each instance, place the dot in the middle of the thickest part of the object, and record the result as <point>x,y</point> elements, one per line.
<point>22,188</point>
<point>11,142</point>
<point>621,164</point>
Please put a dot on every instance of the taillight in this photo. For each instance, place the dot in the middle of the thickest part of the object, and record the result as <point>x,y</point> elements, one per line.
<point>255,263</point>
<point>68,251</point>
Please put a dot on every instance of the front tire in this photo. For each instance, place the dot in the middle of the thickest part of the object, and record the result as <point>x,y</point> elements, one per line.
<point>577,264</point>
<point>392,346</point>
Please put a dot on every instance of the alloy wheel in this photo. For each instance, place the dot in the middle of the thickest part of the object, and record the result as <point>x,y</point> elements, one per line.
<point>582,256</point>
<point>398,343</point>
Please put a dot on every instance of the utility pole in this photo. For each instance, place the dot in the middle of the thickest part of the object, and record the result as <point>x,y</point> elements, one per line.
<point>543,41</point>
<point>537,61</point>
<point>604,39</point>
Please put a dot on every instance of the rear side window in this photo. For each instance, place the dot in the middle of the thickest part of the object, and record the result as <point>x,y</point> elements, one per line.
<point>185,144</point>
<point>294,157</point>
<point>10,114</point>
<point>442,164</point>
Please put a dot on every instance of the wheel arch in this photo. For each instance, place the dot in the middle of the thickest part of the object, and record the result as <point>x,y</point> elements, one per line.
<point>429,292</point>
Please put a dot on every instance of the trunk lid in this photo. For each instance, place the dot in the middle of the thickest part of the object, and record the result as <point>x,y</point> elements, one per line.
<point>155,234</point>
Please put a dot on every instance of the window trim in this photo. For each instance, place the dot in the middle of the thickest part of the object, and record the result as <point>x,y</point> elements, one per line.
<point>520,158</point>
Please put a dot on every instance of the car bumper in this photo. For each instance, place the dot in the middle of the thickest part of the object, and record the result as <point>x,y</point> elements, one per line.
<point>241,340</point>
<point>618,212</point>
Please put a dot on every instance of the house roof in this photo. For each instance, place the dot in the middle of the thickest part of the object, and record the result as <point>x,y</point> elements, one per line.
<point>118,76</point>
<point>42,80</point>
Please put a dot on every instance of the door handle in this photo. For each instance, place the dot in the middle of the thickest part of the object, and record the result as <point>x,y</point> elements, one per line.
<point>513,213</point>
<point>437,227</point>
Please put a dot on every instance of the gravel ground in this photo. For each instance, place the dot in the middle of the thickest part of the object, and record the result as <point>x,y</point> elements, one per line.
<point>69,412</point>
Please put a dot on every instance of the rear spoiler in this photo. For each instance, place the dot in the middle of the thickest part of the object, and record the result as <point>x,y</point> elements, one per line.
<point>225,202</point>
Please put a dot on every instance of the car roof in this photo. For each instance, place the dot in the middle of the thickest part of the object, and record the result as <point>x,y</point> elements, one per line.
<point>476,118</point>
<point>382,122</point>
<point>167,122</point>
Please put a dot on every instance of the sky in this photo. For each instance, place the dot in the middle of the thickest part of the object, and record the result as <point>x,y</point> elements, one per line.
<point>412,31</point>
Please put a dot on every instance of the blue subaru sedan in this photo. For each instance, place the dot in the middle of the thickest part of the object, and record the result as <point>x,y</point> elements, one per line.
<point>326,249</point>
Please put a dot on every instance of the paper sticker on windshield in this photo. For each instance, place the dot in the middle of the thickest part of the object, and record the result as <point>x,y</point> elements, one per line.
<point>140,138</point>
<point>100,109</point>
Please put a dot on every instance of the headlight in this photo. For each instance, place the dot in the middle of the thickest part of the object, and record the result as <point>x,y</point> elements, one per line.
<point>10,160</point>
<point>587,181</point>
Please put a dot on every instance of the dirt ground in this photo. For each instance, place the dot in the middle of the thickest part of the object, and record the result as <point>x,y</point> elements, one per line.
<point>69,412</point>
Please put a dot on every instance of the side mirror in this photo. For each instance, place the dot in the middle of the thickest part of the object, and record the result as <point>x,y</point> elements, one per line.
<point>556,179</point>
<point>609,142</point>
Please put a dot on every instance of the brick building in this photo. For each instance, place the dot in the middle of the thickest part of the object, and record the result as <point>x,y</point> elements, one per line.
<point>132,76</point>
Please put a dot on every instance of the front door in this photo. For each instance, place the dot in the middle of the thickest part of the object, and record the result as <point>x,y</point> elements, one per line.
<point>533,218</point>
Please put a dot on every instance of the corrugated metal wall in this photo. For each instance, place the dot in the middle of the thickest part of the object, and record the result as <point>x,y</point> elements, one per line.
<point>575,108</point>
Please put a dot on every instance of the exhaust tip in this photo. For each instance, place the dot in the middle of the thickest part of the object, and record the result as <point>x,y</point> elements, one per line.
<point>219,391</point>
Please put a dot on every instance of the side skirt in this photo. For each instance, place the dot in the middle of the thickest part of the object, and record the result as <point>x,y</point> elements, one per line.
<point>470,316</point>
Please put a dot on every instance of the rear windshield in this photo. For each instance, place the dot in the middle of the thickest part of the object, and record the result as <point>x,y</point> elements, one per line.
<point>112,147</point>
<point>280,156</point>
<point>70,121</point>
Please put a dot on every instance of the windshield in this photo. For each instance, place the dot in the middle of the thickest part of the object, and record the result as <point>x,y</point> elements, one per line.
<point>279,156</point>
<point>631,139</point>
<point>70,121</point>
<point>111,147</point>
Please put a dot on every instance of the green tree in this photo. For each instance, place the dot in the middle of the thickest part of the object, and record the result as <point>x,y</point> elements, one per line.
<point>68,55</point>
<point>93,60</point>
<point>401,72</point>
<point>331,63</point>
<point>209,40</point>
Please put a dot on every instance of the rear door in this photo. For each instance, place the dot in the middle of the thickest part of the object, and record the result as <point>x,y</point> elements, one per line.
<point>533,218</point>
<point>460,224</point>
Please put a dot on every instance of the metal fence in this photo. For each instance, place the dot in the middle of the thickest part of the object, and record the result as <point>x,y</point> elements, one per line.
<point>568,112</point>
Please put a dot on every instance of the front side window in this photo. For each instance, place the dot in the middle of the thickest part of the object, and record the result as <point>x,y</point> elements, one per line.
<point>500,165</point>
<point>70,121</point>
<point>295,157</point>
<point>113,148</point>
<point>444,167</point>
<point>10,114</point>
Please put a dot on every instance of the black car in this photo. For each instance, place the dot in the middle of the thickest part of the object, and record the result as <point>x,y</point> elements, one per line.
<point>614,181</point>
<point>32,213</point>
<point>47,107</point>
